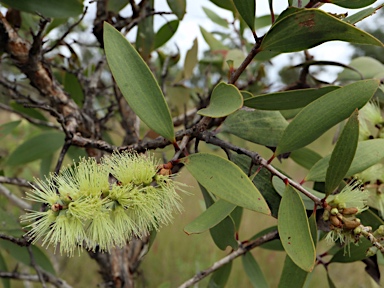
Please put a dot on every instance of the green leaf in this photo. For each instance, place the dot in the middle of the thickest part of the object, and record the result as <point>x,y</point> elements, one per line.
<point>279,185</point>
<point>36,147</point>
<point>9,224</point>
<point>253,271</point>
<point>212,42</point>
<point>288,99</point>
<point>48,8</point>
<point>367,154</point>
<point>223,234</point>
<point>313,227</point>
<point>225,99</point>
<point>370,218</point>
<point>352,19</point>
<point>21,254</point>
<point>274,245</point>
<point>215,18</point>
<point>292,275</point>
<point>7,128</point>
<point>262,181</point>
<point>305,157</point>
<point>220,277</point>
<point>226,180</point>
<point>210,217</point>
<point>137,83</point>
<point>34,113</point>
<point>165,33</point>
<point>325,112</point>
<point>352,4</point>
<point>225,4</point>
<point>263,21</point>
<point>367,66</point>
<point>294,231</point>
<point>247,10</point>
<point>234,55</point>
<point>74,89</point>
<point>3,267</point>
<point>178,7</point>
<point>190,60</point>
<point>261,127</point>
<point>343,154</point>
<point>330,282</point>
<point>145,35</point>
<point>352,253</point>
<point>116,5</point>
<point>308,28</point>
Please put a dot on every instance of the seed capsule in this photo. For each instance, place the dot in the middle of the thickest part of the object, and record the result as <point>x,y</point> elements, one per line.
<point>350,211</point>
<point>335,221</point>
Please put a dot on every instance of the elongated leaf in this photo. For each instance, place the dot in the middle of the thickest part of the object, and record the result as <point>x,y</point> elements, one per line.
<point>34,113</point>
<point>3,267</point>
<point>261,127</point>
<point>367,66</point>
<point>48,8</point>
<point>225,100</point>
<point>263,21</point>
<point>367,154</point>
<point>313,227</point>
<point>343,154</point>
<point>178,7</point>
<point>220,277</point>
<point>223,234</point>
<point>271,245</point>
<point>74,88</point>
<point>305,157</point>
<point>294,231</point>
<point>165,33</point>
<point>288,99</point>
<point>352,253</point>
<point>226,180</point>
<point>325,112</point>
<point>210,217</point>
<point>308,28</point>
<point>353,4</point>
<point>212,42</point>
<point>145,34</point>
<point>262,180</point>
<point>190,60</point>
<point>225,4</point>
<point>9,224</point>
<point>137,83</point>
<point>279,185</point>
<point>253,271</point>
<point>7,128</point>
<point>293,275</point>
<point>352,19</point>
<point>21,254</point>
<point>116,5</point>
<point>247,10</point>
<point>215,18</point>
<point>36,148</point>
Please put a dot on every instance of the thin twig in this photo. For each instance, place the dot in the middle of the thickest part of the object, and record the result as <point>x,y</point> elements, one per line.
<point>36,267</point>
<point>15,181</point>
<point>48,277</point>
<point>28,118</point>
<point>63,151</point>
<point>58,42</point>
<point>241,251</point>
<point>14,199</point>
<point>22,242</point>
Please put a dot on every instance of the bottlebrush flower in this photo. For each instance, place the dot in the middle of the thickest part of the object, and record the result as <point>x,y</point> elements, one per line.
<point>85,209</point>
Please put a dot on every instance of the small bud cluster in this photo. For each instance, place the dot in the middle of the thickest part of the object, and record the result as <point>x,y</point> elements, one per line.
<point>379,235</point>
<point>102,205</point>
<point>341,211</point>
